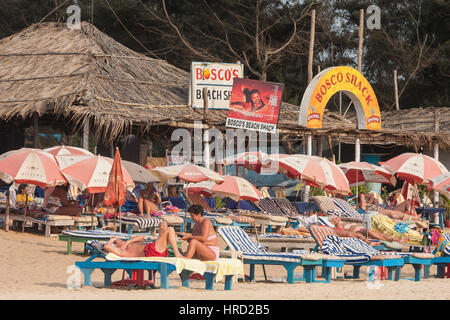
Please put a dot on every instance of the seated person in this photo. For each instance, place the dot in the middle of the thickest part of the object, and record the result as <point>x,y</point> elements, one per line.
<point>149,200</point>
<point>136,248</point>
<point>203,241</point>
<point>172,191</point>
<point>400,211</point>
<point>359,229</point>
<point>99,205</point>
<point>56,202</point>
<point>22,194</point>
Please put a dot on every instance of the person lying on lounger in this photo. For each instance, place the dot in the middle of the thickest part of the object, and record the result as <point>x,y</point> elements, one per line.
<point>398,211</point>
<point>135,247</point>
<point>203,241</point>
<point>357,228</point>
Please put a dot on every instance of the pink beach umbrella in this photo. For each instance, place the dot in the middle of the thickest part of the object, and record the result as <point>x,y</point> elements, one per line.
<point>32,166</point>
<point>233,187</point>
<point>187,172</point>
<point>90,173</point>
<point>440,183</point>
<point>315,171</point>
<point>359,173</point>
<point>252,160</point>
<point>414,167</point>
<point>68,150</point>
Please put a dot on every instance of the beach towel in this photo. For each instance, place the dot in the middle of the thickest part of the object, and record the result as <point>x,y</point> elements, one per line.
<point>386,225</point>
<point>220,267</point>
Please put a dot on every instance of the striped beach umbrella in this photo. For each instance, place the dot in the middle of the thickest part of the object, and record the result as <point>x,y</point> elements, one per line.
<point>233,187</point>
<point>187,172</point>
<point>68,150</point>
<point>440,183</point>
<point>315,171</point>
<point>359,173</point>
<point>252,160</point>
<point>32,166</point>
<point>414,167</point>
<point>90,173</point>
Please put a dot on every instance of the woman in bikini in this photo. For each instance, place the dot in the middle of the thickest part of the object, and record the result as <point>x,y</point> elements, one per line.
<point>203,241</point>
<point>149,200</point>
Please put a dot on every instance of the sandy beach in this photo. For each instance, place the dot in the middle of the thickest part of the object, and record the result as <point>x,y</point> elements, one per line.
<point>35,267</point>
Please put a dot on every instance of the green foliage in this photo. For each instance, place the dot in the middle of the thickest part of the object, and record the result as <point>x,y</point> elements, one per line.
<point>361,189</point>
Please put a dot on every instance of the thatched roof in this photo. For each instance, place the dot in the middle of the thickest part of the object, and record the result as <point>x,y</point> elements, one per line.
<point>85,73</point>
<point>50,69</point>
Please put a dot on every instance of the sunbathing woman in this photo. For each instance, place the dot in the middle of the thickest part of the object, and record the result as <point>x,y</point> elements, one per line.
<point>359,229</point>
<point>202,242</point>
<point>149,200</point>
<point>56,202</point>
<point>136,248</point>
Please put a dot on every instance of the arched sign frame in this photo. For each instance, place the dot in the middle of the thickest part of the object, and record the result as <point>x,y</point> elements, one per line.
<point>340,79</point>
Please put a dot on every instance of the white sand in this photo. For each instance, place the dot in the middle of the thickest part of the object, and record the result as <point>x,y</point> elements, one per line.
<point>35,267</point>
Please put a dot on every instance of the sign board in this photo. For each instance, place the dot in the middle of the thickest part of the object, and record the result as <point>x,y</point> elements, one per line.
<point>217,78</point>
<point>255,105</point>
<point>332,80</point>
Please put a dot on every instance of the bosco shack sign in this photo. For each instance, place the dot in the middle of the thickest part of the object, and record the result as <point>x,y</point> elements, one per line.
<point>255,105</point>
<point>332,80</point>
<point>217,78</point>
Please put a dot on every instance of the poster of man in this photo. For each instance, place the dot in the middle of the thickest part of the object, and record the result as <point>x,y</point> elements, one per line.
<point>254,105</point>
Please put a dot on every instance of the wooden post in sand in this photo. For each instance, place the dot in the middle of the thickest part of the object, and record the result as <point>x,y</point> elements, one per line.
<point>25,212</point>
<point>7,211</point>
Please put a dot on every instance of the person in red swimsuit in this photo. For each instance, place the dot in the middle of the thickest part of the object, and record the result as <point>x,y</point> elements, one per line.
<point>136,248</point>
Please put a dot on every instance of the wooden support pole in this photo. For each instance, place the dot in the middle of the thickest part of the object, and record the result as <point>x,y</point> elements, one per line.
<point>35,130</point>
<point>205,104</point>
<point>357,150</point>
<point>7,210</point>
<point>309,153</point>
<point>311,45</point>
<point>397,105</point>
<point>436,151</point>
<point>361,33</point>
<point>86,134</point>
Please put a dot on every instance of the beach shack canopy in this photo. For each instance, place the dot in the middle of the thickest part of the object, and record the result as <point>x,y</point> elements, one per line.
<point>83,73</point>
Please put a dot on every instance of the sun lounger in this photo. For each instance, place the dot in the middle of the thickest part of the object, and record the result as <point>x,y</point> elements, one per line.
<point>239,242</point>
<point>212,270</point>
<point>71,236</point>
<point>47,221</point>
<point>358,253</point>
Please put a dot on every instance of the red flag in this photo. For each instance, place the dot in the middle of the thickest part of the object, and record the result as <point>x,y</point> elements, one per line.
<point>115,190</point>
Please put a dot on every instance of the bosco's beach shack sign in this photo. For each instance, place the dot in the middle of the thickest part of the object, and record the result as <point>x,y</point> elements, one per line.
<point>217,78</point>
<point>332,80</point>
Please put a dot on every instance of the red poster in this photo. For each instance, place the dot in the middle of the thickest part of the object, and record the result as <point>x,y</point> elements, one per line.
<point>254,105</point>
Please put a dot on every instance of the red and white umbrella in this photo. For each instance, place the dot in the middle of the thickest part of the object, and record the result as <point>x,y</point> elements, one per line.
<point>32,166</point>
<point>440,183</point>
<point>359,173</point>
<point>188,172</point>
<point>68,150</point>
<point>233,187</point>
<point>414,167</point>
<point>90,173</point>
<point>315,171</point>
<point>252,160</point>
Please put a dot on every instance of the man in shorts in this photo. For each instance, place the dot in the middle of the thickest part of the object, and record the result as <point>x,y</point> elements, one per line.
<point>136,248</point>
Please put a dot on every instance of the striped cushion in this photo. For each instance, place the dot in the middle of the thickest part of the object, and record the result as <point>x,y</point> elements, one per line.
<point>346,208</point>
<point>96,234</point>
<point>320,232</point>
<point>141,222</point>
<point>327,205</point>
<point>333,246</point>
<point>238,240</point>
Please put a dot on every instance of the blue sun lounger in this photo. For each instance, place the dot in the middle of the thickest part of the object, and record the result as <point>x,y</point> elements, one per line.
<point>254,254</point>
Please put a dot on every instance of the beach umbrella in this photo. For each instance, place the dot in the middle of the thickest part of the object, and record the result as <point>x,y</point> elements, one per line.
<point>252,160</point>
<point>68,150</point>
<point>115,189</point>
<point>440,183</point>
<point>32,166</point>
<point>187,172</point>
<point>315,171</point>
<point>138,173</point>
<point>414,167</point>
<point>90,173</point>
<point>233,187</point>
<point>359,173</point>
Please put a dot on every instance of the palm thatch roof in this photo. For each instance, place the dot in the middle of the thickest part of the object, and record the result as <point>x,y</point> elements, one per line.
<point>83,73</point>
